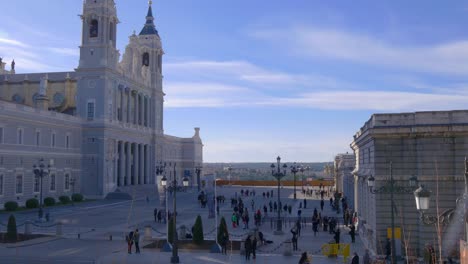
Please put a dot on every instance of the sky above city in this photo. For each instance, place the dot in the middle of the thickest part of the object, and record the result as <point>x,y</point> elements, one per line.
<point>265,78</point>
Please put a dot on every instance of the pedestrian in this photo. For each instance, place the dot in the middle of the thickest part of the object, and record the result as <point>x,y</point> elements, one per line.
<point>129,239</point>
<point>155,215</point>
<point>366,259</point>
<point>352,233</point>
<point>315,225</point>
<point>234,220</point>
<point>305,203</point>
<point>294,237</point>
<point>136,240</point>
<point>337,236</point>
<point>388,249</point>
<point>224,241</point>
<point>248,247</point>
<point>322,203</point>
<point>304,258</point>
<point>355,259</point>
<point>298,226</point>
<point>254,246</point>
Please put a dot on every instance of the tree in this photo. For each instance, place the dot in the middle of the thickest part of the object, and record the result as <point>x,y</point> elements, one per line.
<point>11,229</point>
<point>198,231</point>
<point>222,229</point>
<point>171,232</point>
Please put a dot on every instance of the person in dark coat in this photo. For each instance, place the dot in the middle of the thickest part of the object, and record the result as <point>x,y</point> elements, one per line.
<point>155,215</point>
<point>248,248</point>
<point>254,246</point>
<point>322,203</point>
<point>355,259</point>
<point>352,233</point>
<point>388,249</point>
<point>337,236</point>
<point>294,238</point>
<point>224,242</point>
<point>305,203</point>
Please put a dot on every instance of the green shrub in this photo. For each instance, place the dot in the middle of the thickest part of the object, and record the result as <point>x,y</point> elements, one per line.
<point>64,199</point>
<point>11,206</point>
<point>77,197</point>
<point>171,232</point>
<point>198,231</point>
<point>11,229</point>
<point>32,203</point>
<point>49,201</point>
<point>222,229</point>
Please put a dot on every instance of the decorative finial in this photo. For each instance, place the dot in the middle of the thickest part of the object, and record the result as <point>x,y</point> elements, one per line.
<point>150,2</point>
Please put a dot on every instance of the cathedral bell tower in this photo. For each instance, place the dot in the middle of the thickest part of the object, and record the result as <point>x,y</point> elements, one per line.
<point>98,47</point>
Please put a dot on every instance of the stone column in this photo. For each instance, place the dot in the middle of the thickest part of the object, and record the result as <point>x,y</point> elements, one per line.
<point>127,107</point>
<point>135,163</point>
<point>128,156</point>
<point>137,109</point>
<point>147,164</point>
<point>122,163</point>
<point>121,105</point>
<point>141,170</point>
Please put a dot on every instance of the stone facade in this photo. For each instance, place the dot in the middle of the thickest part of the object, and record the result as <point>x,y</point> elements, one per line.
<point>344,179</point>
<point>429,145</point>
<point>101,125</point>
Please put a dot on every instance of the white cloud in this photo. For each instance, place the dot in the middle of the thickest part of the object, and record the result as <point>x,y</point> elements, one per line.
<point>445,58</point>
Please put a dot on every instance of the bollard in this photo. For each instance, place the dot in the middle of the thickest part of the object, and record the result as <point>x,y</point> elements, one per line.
<point>27,228</point>
<point>287,248</point>
<point>59,232</point>
<point>110,237</point>
<point>148,233</point>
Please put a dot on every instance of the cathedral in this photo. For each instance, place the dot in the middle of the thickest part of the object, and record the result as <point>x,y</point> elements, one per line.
<point>96,129</point>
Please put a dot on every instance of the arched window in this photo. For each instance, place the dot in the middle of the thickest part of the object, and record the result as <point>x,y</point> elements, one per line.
<point>111,31</point>
<point>93,29</point>
<point>146,59</point>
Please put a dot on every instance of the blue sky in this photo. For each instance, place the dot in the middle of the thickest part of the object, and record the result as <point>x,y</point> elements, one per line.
<point>267,77</point>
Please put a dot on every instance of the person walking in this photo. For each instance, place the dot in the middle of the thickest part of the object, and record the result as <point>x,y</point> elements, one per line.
<point>304,258</point>
<point>294,238</point>
<point>248,248</point>
<point>298,227</point>
<point>322,203</point>
<point>388,249</point>
<point>129,239</point>
<point>254,247</point>
<point>355,259</point>
<point>352,233</point>
<point>234,220</point>
<point>305,203</point>
<point>337,236</point>
<point>155,215</point>
<point>136,240</point>
<point>224,242</point>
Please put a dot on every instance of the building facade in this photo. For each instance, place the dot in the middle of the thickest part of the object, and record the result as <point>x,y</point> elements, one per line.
<point>429,145</point>
<point>100,125</point>
<point>344,178</point>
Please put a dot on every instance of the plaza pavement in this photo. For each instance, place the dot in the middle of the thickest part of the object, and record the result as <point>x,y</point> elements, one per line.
<point>118,217</point>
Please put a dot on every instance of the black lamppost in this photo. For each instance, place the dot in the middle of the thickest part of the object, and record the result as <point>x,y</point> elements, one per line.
<point>294,170</point>
<point>72,183</point>
<point>198,171</point>
<point>422,197</point>
<point>302,169</point>
<point>278,175</point>
<point>175,256</point>
<point>390,187</point>
<point>41,171</point>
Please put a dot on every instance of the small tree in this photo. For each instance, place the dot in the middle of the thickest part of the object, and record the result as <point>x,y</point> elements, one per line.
<point>222,229</point>
<point>198,231</point>
<point>170,233</point>
<point>49,201</point>
<point>11,229</point>
<point>32,203</point>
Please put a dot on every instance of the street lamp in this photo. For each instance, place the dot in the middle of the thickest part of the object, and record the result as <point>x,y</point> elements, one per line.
<point>41,171</point>
<point>390,187</point>
<point>72,183</point>
<point>198,171</point>
<point>294,170</point>
<point>302,169</point>
<point>229,175</point>
<point>422,198</point>
<point>175,256</point>
<point>185,182</point>
<point>278,175</point>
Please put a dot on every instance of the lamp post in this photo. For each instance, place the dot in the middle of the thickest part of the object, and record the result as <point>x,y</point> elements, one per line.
<point>72,183</point>
<point>422,198</point>
<point>302,169</point>
<point>41,171</point>
<point>278,175</point>
<point>175,256</point>
<point>294,170</point>
<point>391,188</point>
<point>198,171</point>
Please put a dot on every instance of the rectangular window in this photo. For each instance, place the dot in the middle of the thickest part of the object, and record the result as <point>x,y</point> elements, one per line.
<point>67,182</point>
<point>1,184</point>
<point>90,111</point>
<point>19,184</point>
<point>36,183</point>
<point>20,136</point>
<point>67,141</point>
<point>1,135</point>
<point>52,140</point>
<point>38,138</point>
<point>52,182</point>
